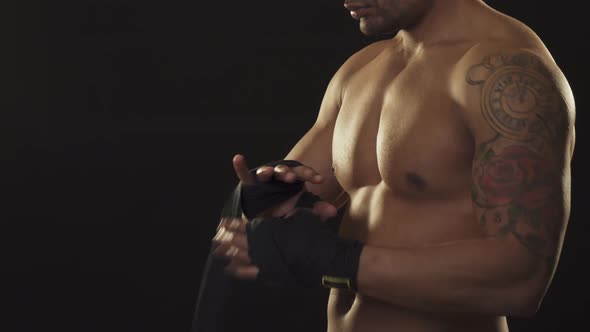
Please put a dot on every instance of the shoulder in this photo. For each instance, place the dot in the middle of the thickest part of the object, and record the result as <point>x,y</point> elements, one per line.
<point>509,46</point>
<point>517,92</point>
<point>360,58</point>
<point>353,64</point>
<point>495,67</point>
<point>493,70</point>
<point>370,51</point>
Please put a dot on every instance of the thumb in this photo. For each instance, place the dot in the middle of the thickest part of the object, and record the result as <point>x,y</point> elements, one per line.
<point>325,210</point>
<point>242,170</point>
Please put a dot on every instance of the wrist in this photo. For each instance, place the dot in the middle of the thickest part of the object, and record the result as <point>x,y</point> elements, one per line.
<point>301,249</point>
<point>260,196</point>
<point>344,267</point>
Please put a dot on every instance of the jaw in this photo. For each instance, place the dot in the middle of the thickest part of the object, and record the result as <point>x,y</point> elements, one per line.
<point>376,26</point>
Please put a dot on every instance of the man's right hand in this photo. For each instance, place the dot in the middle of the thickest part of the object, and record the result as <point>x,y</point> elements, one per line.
<point>286,174</point>
<point>231,239</point>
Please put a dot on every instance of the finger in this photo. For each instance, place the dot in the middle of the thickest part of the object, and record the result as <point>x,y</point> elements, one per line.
<point>264,173</point>
<point>241,169</point>
<point>287,206</point>
<point>227,237</point>
<point>238,255</point>
<point>240,240</point>
<point>325,210</point>
<point>306,173</point>
<point>223,236</point>
<point>233,224</point>
<point>224,222</point>
<point>233,253</point>
<point>249,272</point>
<point>284,173</point>
<point>223,249</point>
<point>238,226</point>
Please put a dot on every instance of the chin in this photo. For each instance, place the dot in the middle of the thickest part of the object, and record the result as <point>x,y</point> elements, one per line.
<point>374,26</point>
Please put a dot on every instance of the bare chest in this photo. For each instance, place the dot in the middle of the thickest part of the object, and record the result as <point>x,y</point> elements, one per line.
<point>398,125</point>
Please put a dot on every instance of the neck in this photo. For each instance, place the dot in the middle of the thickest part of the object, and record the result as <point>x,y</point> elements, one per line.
<point>445,20</point>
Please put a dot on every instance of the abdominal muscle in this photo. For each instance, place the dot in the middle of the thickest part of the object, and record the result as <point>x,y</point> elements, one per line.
<point>381,218</point>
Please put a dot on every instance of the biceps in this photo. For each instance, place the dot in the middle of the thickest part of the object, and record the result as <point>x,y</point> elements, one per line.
<point>518,193</point>
<point>314,149</point>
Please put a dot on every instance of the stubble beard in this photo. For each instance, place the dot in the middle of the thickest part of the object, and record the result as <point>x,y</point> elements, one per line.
<point>377,26</point>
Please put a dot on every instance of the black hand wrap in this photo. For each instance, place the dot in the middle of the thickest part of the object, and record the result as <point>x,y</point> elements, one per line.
<point>260,196</point>
<point>220,295</point>
<point>301,249</point>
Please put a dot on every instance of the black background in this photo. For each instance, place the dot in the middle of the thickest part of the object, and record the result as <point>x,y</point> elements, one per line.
<point>117,149</point>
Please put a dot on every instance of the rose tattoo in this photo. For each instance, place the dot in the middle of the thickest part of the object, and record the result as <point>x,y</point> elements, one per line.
<point>516,176</point>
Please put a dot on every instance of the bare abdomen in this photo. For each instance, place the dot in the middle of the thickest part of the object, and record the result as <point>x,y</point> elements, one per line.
<point>384,219</point>
<point>365,314</point>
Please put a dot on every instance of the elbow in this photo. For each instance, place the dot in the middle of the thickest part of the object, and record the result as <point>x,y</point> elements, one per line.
<point>528,287</point>
<point>528,303</point>
<point>526,309</point>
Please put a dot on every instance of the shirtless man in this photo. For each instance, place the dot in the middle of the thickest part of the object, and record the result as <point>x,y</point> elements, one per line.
<point>451,144</point>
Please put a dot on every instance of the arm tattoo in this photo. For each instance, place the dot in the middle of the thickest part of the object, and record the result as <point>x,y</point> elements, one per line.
<point>517,175</point>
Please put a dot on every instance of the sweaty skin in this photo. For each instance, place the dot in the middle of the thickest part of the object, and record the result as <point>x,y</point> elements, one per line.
<point>409,130</point>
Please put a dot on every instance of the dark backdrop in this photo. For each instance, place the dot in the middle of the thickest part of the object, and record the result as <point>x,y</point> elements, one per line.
<point>116,152</point>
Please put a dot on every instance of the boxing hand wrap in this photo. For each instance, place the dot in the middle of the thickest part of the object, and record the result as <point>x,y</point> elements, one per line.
<point>258,197</point>
<point>307,200</point>
<point>218,292</point>
<point>301,249</point>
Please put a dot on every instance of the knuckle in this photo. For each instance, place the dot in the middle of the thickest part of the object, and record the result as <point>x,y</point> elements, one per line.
<point>234,224</point>
<point>227,236</point>
<point>232,251</point>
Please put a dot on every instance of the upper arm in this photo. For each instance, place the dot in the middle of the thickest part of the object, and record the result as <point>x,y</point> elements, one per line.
<point>314,149</point>
<point>520,112</point>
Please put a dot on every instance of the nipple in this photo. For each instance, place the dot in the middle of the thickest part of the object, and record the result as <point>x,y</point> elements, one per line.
<point>416,180</point>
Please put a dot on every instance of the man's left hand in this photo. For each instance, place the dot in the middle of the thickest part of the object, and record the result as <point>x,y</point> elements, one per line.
<point>232,241</point>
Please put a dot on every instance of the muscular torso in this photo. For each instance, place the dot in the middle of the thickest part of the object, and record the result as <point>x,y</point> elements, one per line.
<point>402,152</point>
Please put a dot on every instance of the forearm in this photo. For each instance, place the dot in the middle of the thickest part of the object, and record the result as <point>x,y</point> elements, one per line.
<point>486,276</point>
